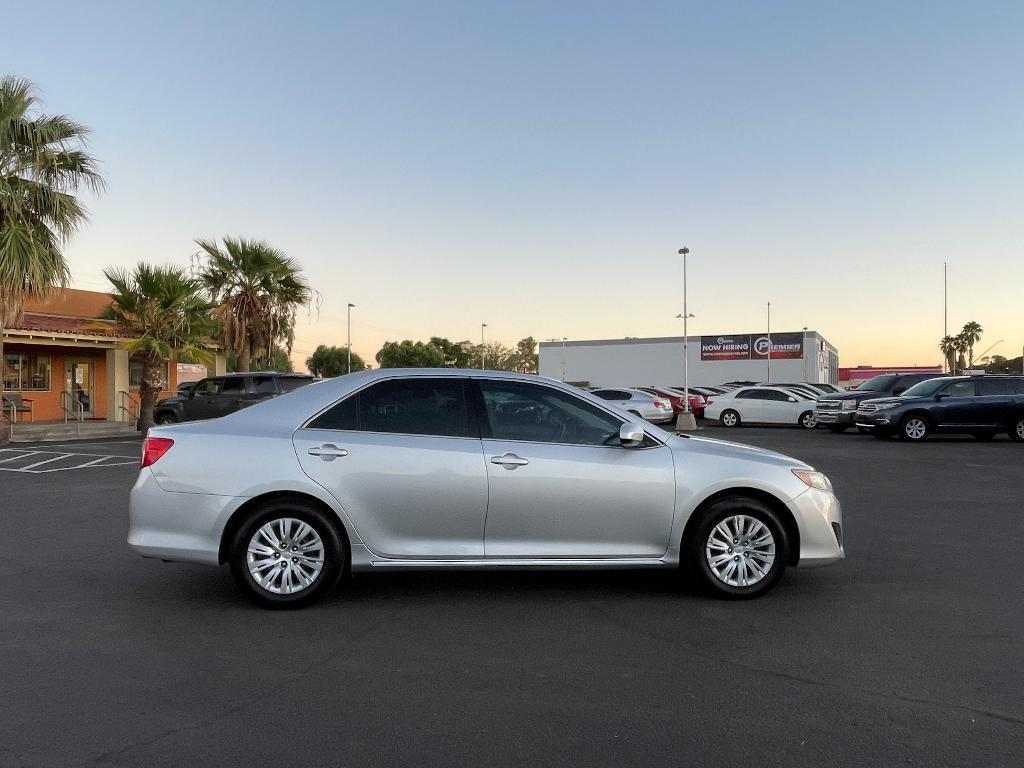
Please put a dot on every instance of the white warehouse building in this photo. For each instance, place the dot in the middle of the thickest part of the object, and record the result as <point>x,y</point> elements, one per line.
<point>795,356</point>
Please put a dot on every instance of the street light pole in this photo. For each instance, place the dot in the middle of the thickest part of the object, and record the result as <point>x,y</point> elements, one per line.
<point>686,420</point>
<point>563,358</point>
<point>769,343</point>
<point>348,345</point>
<point>483,349</point>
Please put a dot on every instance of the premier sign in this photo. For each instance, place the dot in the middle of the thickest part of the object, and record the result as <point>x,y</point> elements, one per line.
<point>784,346</point>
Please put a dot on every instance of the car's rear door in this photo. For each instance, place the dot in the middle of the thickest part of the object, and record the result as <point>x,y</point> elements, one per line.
<point>995,401</point>
<point>560,484</point>
<point>957,406</point>
<point>404,460</point>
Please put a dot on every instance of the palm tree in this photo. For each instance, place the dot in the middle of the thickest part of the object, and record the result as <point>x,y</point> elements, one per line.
<point>971,334</point>
<point>42,167</point>
<point>961,348</point>
<point>258,290</point>
<point>169,314</point>
<point>948,345</point>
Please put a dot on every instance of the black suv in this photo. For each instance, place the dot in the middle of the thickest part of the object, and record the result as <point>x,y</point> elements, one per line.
<point>220,395</point>
<point>835,411</point>
<point>982,406</point>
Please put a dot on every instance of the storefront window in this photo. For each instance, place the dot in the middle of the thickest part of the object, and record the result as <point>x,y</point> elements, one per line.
<point>26,373</point>
<point>135,365</point>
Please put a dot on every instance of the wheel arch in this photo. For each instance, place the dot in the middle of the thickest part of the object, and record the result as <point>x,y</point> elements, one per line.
<point>240,515</point>
<point>777,505</point>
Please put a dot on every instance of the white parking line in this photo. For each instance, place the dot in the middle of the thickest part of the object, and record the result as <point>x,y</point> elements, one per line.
<point>58,457</point>
<point>91,460</point>
<point>20,455</point>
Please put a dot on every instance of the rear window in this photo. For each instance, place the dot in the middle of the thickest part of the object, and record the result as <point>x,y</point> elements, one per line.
<point>288,383</point>
<point>878,383</point>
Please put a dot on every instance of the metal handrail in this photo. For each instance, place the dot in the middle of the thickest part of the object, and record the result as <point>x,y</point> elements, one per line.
<point>13,418</point>
<point>129,405</point>
<point>77,410</point>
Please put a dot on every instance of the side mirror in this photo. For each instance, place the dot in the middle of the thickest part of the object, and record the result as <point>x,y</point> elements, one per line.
<point>942,395</point>
<point>899,391</point>
<point>631,434</point>
<point>792,399</point>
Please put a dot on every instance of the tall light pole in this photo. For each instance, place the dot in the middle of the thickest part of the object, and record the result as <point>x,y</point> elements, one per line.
<point>483,349</point>
<point>686,381</point>
<point>348,345</point>
<point>686,420</point>
<point>769,343</point>
<point>563,358</point>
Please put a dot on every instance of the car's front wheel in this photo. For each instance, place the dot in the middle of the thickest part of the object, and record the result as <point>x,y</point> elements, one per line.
<point>914,428</point>
<point>738,549</point>
<point>729,418</point>
<point>808,420</point>
<point>287,554</point>
<point>1017,430</point>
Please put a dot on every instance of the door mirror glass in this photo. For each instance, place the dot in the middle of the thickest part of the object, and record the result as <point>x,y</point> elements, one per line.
<point>791,399</point>
<point>631,434</point>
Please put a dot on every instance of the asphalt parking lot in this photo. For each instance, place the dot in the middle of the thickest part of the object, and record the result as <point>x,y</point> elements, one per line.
<point>911,652</point>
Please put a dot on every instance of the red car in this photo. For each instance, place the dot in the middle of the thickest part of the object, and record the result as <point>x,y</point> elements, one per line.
<point>675,396</point>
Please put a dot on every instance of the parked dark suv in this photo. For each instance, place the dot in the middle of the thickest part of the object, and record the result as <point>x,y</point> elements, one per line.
<point>220,395</point>
<point>982,406</point>
<point>836,411</point>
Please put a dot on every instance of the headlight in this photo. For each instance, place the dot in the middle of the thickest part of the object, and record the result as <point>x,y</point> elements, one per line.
<point>849,405</point>
<point>883,406</point>
<point>814,479</point>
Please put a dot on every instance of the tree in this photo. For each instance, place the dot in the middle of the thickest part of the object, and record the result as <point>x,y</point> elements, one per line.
<point>948,345</point>
<point>971,335</point>
<point>409,354</point>
<point>332,361</point>
<point>258,291</point>
<point>1000,364</point>
<point>961,348</point>
<point>42,167</point>
<point>525,356</point>
<point>278,360</point>
<point>455,354</point>
<point>170,316</point>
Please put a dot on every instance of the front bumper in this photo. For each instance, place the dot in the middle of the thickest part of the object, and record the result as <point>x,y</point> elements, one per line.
<point>819,517</point>
<point>169,525</point>
<point>880,421</point>
<point>834,417</point>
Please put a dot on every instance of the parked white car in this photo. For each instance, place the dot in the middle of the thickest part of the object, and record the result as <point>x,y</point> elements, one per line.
<point>654,409</point>
<point>762,405</point>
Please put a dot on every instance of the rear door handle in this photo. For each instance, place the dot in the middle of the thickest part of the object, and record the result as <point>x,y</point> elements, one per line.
<point>510,461</point>
<point>328,452</point>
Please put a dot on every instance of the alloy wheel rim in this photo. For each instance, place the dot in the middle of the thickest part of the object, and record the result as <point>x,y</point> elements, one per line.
<point>729,419</point>
<point>915,428</point>
<point>740,551</point>
<point>285,556</point>
<point>1020,429</point>
<point>809,420</point>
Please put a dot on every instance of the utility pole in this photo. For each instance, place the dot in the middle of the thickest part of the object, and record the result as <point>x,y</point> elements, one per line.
<point>686,420</point>
<point>483,349</point>
<point>769,343</point>
<point>348,344</point>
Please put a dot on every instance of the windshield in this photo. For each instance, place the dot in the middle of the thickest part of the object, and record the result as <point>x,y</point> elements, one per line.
<point>925,388</point>
<point>878,383</point>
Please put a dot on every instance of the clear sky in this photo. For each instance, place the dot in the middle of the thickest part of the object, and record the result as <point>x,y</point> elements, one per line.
<point>536,165</point>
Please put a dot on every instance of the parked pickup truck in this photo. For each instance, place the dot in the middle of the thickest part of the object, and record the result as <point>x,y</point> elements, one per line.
<point>220,395</point>
<point>836,412</point>
<point>983,406</point>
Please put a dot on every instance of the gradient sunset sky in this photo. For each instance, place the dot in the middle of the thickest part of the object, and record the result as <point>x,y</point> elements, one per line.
<point>536,165</point>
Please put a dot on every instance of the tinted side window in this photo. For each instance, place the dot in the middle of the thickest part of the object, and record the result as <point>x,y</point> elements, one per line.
<point>1018,386</point>
<point>608,394</point>
<point>995,387</point>
<point>289,383</point>
<point>233,386</point>
<point>771,394</point>
<point>539,414</point>
<point>343,415</point>
<point>960,389</point>
<point>749,394</point>
<point>208,387</point>
<point>264,385</point>
<point>418,406</point>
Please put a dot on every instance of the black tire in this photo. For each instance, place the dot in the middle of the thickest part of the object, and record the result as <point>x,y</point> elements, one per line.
<point>914,428</point>
<point>1017,430</point>
<point>695,550</point>
<point>807,420</point>
<point>166,417</point>
<point>838,428</point>
<point>730,418</point>
<point>335,553</point>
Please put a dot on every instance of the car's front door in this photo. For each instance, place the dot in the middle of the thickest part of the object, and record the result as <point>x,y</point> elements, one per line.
<point>956,406</point>
<point>404,460</point>
<point>749,404</point>
<point>201,403</point>
<point>561,485</point>
<point>777,407</point>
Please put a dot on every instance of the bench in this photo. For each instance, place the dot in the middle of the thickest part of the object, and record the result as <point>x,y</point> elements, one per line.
<point>20,404</point>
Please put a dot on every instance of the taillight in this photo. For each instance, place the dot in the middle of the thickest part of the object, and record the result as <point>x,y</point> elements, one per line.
<point>153,448</point>
<point>708,401</point>
<point>658,404</point>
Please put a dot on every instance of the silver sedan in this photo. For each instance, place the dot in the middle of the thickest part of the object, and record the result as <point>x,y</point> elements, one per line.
<point>443,469</point>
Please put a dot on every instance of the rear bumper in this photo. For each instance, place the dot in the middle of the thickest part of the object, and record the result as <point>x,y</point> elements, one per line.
<point>820,519</point>
<point>177,526</point>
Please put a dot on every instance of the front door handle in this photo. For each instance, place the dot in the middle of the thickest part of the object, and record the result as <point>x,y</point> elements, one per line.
<point>510,461</point>
<point>328,452</point>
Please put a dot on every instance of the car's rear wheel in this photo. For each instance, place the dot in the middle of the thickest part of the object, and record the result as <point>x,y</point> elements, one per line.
<point>166,418</point>
<point>914,428</point>
<point>287,554</point>
<point>1017,430</point>
<point>837,428</point>
<point>808,420</point>
<point>729,418</point>
<point>739,548</point>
